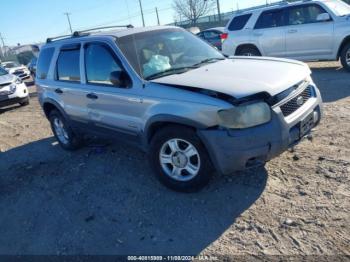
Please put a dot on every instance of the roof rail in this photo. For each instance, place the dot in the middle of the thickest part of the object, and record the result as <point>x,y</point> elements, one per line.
<point>50,39</point>
<point>85,32</point>
<point>279,3</point>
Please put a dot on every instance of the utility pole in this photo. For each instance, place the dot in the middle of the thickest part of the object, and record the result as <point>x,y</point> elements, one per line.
<point>68,18</point>
<point>2,40</point>
<point>3,46</point>
<point>157,15</point>
<point>219,12</point>
<point>143,19</point>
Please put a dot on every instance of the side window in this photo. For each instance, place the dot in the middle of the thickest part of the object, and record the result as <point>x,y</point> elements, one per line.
<point>68,65</point>
<point>201,35</point>
<point>270,19</point>
<point>99,64</point>
<point>44,62</point>
<point>305,14</point>
<point>239,22</point>
<point>211,35</point>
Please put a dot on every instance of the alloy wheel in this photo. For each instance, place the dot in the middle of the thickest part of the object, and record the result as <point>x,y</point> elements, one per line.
<point>179,159</point>
<point>60,131</point>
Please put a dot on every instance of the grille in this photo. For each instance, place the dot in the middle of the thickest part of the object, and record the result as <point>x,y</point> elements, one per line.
<point>294,104</point>
<point>19,72</point>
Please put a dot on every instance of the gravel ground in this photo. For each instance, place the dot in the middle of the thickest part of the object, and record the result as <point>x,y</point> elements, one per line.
<point>103,199</point>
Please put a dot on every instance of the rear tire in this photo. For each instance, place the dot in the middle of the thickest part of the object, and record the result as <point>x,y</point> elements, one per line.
<point>248,51</point>
<point>345,57</point>
<point>63,132</point>
<point>180,160</point>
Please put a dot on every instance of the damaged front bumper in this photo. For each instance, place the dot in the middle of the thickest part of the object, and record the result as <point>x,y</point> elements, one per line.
<point>234,150</point>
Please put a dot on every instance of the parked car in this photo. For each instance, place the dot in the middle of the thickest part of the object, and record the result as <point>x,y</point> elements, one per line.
<point>32,67</point>
<point>12,90</point>
<point>177,98</point>
<point>305,30</point>
<point>16,69</point>
<point>213,36</point>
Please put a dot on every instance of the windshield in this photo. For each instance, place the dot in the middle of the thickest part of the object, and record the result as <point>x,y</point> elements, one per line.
<point>338,7</point>
<point>3,72</point>
<point>163,52</point>
<point>11,65</point>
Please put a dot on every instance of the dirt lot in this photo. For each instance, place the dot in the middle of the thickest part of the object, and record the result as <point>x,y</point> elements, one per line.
<point>105,200</point>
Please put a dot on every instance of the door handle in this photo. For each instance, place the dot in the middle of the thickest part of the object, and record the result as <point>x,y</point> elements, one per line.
<point>137,100</point>
<point>292,31</point>
<point>58,91</point>
<point>92,96</point>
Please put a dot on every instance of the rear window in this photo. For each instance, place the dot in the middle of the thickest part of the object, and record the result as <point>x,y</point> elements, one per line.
<point>68,65</point>
<point>239,22</point>
<point>44,63</point>
<point>270,19</point>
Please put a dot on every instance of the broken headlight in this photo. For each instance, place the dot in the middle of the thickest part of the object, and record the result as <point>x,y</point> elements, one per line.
<point>245,116</point>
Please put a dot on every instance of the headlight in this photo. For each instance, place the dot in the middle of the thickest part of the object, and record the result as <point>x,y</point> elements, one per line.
<point>245,116</point>
<point>13,88</point>
<point>18,81</point>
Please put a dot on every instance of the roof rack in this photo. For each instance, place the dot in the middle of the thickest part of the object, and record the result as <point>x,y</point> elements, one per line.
<point>50,39</point>
<point>85,32</point>
<point>279,3</point>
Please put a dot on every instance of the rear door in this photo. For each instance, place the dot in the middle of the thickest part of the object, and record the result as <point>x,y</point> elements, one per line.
<point>67,87</point>
<point>307,38</point>
<point>270,34</point>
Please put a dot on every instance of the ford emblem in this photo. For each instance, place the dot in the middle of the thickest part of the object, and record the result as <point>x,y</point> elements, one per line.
<point>300,101</point>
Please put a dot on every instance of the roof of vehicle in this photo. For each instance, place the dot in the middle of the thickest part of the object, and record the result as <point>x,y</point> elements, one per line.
<point>8,62</point>
<point>120,32</point>
<point>275,5</point>
<point>221,29</point>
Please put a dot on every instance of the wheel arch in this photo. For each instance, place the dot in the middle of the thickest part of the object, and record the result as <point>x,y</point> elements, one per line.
<point>345,41</point>
<point>49,105</point>
<point>244,45</point>
<point>160,121</point>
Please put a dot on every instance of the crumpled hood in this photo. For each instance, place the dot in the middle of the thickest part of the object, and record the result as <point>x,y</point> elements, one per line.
<point>7,79</point>
<point>243,76</point>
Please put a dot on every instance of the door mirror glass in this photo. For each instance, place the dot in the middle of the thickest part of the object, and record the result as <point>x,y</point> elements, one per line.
<point>120,79</point>
<point>323,17</point>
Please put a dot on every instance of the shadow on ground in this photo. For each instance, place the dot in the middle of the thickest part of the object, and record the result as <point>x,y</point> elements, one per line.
<point>105,200</point>
<point>333,82</point>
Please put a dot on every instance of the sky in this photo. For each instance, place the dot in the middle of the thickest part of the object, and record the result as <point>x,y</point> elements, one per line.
<point>27,22</point>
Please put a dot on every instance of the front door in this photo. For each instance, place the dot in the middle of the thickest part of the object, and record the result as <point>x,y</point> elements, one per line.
<point>306,37</point>
<point>111,108</point>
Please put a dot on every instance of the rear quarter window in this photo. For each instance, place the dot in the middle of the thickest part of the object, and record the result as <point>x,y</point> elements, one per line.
<point>239,22</point>
<point>44,62</point>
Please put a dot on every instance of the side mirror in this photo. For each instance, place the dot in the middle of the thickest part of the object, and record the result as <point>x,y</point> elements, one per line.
<point>120,79</point>
<point>323,17</point>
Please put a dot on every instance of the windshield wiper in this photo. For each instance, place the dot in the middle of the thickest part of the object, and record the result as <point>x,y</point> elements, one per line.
<point>171,71</point>
<point>209,60</point>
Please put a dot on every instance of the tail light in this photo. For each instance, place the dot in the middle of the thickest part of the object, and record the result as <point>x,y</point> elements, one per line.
<point>223,36</point>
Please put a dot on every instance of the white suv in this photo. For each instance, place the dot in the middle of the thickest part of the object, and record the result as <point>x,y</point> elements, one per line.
<point>305,30</point>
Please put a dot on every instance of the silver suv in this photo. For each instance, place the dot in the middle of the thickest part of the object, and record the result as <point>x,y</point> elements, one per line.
<point>304,30</point>
<point>177,98</point>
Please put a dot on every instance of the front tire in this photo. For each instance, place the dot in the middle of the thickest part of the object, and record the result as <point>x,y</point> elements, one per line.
<point>180,160</point>
<point>63,132</point>
<point>345,57</point>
